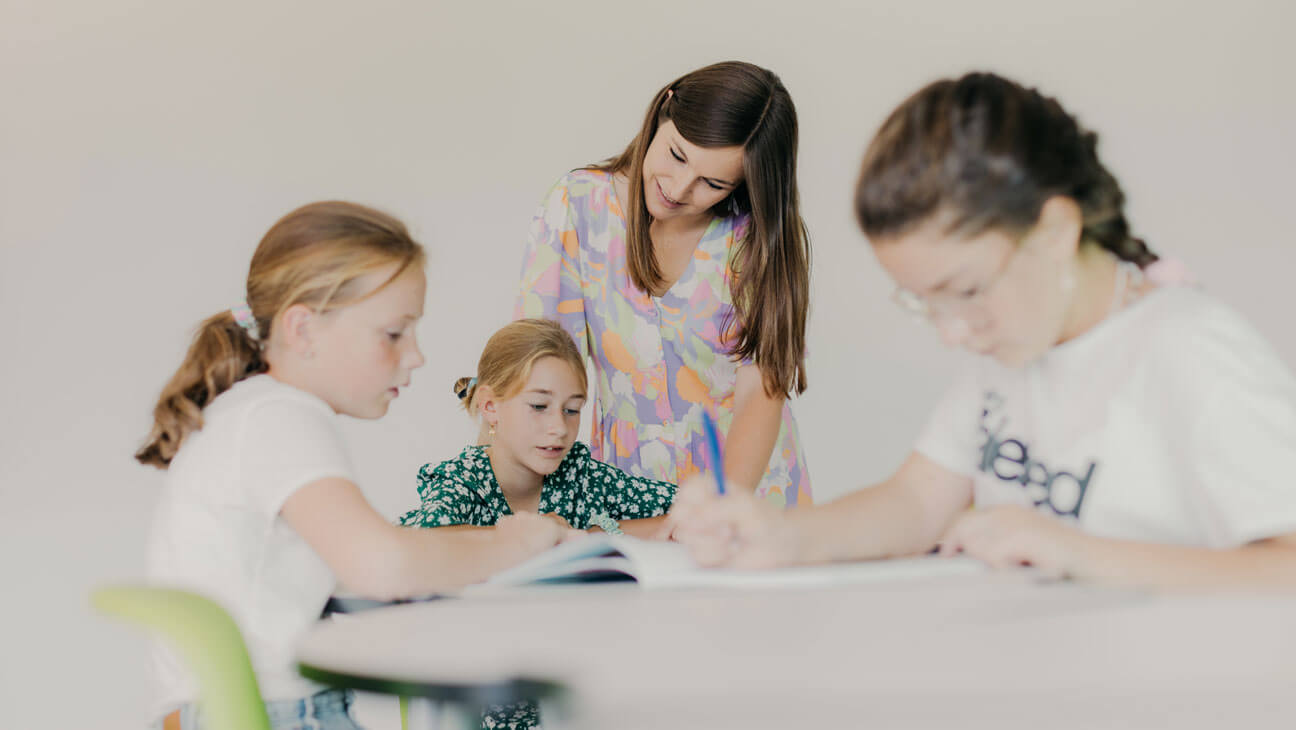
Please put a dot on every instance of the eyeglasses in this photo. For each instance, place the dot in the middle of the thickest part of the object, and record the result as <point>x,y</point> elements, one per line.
<point>934,307</point>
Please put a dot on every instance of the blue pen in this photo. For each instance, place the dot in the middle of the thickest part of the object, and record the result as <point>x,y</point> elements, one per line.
<point>713,450</point>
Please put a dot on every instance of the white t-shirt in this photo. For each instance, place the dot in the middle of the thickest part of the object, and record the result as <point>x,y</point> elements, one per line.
<point>217,530</point>
<point>1172,421</point>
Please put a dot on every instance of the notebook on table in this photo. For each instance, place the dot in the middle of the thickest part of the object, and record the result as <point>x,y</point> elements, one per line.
<point>653,565</point>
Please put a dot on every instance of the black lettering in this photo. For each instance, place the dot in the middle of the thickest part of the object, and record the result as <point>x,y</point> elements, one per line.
<point>1035,480</point>
<point>1066,499</point>
<point>988,451</point>
<point>1015,454</point>
<point>1009,460</point>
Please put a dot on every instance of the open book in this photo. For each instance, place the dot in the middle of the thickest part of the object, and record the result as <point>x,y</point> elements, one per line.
<point>652,564</point>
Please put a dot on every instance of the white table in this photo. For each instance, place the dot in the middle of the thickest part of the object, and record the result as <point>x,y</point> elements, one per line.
<point>991,650</point>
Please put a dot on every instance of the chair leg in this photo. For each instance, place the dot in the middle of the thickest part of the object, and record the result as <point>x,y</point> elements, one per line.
<point>421,713</point>
<point>455,716</point>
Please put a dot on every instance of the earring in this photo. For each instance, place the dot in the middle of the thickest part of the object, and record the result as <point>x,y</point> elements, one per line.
<point>491,433</point>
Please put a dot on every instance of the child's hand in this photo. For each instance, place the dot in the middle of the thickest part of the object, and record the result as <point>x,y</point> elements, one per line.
<point>736,530</point>
<point>574,534</point>
<point>535,532</point>
<point>567,533</point>
<point>558,520</point>
<point>692,491</point>
<point>1011,536</point>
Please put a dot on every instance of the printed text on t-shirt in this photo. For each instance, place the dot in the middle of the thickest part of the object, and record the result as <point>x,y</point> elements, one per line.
<point>1010,460</point>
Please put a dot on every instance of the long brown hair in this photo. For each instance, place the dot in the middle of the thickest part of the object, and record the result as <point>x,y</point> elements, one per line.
<point>724,105</point>
<point>511,352</point>
<point>988,152</point>
<point>312,256</point>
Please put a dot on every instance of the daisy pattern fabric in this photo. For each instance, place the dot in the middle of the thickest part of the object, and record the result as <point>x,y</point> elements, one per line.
<point>659,361</point>
<point>464,491</point>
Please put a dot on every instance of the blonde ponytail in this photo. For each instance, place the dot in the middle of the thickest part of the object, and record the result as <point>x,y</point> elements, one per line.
<point>222,353</point>
<point>313,256</point>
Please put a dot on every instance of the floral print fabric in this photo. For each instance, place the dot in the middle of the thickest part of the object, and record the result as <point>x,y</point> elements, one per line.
<point>659,361</point>
<point>464,491</point>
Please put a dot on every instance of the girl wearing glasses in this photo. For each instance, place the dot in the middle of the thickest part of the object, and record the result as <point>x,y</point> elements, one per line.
<point>681,269</point>
<point>1122,426</point>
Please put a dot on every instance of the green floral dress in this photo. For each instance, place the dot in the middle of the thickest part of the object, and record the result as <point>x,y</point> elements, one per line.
<point>464,491</point>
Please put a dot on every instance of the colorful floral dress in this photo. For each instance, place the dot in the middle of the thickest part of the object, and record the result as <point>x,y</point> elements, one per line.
<point>464,491</point>
<point>659,361</point>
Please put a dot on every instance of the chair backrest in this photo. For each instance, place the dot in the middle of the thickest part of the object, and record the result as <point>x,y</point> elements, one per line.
<point>207,640</point>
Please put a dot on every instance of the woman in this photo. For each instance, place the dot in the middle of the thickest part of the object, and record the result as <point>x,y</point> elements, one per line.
<point>681,269</point>
<point>1121,427</point>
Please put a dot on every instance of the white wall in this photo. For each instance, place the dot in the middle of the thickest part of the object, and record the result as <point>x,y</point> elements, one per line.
<point>146,145</point>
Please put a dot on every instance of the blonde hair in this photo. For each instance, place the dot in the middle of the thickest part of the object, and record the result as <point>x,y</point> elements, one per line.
<point>312,256</point>
<point>510,354</point>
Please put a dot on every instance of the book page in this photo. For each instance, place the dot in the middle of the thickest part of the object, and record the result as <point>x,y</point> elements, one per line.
<point>831,574</point>
<point>667,565</point>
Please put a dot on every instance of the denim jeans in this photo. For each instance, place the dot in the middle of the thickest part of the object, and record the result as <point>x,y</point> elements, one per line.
<point>327,710</point>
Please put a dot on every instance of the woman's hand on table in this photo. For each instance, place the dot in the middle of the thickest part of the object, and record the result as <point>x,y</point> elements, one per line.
<point>736,530</point>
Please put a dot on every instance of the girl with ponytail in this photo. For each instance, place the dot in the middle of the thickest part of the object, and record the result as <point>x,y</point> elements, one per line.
<point>261,511</point>
<point>1119,427</point>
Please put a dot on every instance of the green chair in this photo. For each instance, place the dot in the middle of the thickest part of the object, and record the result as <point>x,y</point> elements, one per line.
<point>207,640</point>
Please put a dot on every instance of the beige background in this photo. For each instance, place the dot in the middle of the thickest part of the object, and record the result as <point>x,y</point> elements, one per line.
<point>145,146</point>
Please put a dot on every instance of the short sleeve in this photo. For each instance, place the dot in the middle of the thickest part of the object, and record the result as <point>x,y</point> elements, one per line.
<point>1231,410</point>
<point>551,285</point>
<point>627,497</point>
<point>288,443</point>
<point>950,438</point>
<point>447,498</point>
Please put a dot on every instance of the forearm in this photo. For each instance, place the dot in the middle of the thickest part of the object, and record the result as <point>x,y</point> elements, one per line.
<point>751,438</point>
<point>1269,564</point>
<point>882,521</point>
<point>644,527</point>
<point>419,561</point>
<point>376,559</point>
